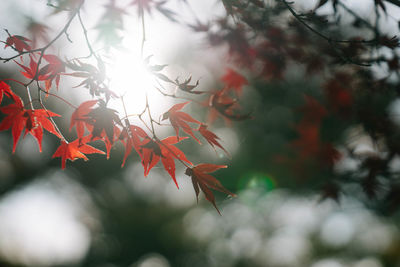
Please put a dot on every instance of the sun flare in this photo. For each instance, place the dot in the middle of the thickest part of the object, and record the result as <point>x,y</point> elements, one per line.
<point>130,78</point>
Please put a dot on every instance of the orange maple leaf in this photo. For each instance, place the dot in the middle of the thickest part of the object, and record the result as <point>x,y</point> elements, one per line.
<point>75,150</point>
<point>151,151</point>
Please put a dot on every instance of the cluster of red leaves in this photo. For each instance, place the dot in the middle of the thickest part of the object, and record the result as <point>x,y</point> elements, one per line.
<point>267,54</point>
<point>17,118</point>
<point>103,124</point>
<point>94,120</point>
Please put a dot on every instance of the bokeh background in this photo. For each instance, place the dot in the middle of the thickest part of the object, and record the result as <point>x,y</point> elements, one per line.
<point>96,213</point>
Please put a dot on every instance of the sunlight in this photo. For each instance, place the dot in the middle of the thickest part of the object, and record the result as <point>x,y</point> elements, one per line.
<point>130,78</point>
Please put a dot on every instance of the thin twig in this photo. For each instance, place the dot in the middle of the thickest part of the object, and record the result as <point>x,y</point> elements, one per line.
<point>86,36</point>
<point>143,35</point>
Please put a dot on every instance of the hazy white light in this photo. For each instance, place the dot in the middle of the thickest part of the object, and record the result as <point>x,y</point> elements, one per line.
<point>150,188</point>
<point>298,215</point>
<point>369,262</point>
<point>284,249</point>
<point>327,263</point>
<point>338,230</point>
<point>130,78</point>
<point>246,241</point>
<point>377,238</point>
<point>182,198</point>
<point>201,224</point>
<point>153,260</point>
<point>39,227</point>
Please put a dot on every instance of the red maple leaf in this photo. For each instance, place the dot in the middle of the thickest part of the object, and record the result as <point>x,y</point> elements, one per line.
<point>234,80</point>
<point>108,143</point>
<point>99,121</point>
<point>178,120</point>
<point>202,180</point>
<point>75,150</point>
<point>54,69</point>
<point>132,138</point>
<point>79,117</point>
<point>30,72</point>
<point>211,137</point>
<point>226,105</point>
<point>5,90</point>
<point>20,43</point>
<point>33,121</point>
<point>152,150</point>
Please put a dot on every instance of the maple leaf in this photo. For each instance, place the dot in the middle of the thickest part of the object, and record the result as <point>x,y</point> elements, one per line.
<point>5,90</point>
<point>30,72</point>
<point>19,42</point>
<point>109,143</point>
<point>94,77</point>
<point>155,70</point>
<point>132,138</point>
<point>75,150</point>
<point>202,180</point>
<point>185,86</point>
<point>99,121</point>
<point>234,80</point>
<point>103,120</point>
<point>79,117</point>
<point>178,120</point>
<point>211,138</point>
<point>54,69</point>
<point>151,151</point>
<point>111,23</point>
<point>33,121</point>
<point>225,105</point>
